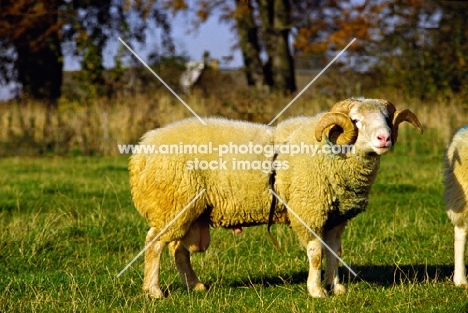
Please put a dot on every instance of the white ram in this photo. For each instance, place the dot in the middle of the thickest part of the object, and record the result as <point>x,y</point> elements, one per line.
<point>456,199</point>
<point>325,188</point>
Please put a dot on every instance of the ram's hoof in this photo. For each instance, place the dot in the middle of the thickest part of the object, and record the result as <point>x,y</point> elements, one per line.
<point>155,292</point>
<point>339,290</point>
<point>461,282</point>
<point>199,287</point>
<point>317,292</point>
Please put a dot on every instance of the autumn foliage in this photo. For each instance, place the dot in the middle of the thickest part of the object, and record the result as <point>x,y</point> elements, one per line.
<point>418,46</point>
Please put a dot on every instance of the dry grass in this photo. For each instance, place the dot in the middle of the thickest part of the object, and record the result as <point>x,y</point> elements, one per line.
<point>97,126</point>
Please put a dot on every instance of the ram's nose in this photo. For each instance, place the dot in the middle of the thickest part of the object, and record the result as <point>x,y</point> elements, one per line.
<point>383,140</point>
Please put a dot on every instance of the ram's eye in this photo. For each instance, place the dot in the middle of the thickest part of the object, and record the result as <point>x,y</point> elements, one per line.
<point>355,121</point>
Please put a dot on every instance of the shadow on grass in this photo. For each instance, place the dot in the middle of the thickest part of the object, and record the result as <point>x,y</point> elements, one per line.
<point>387,275</point>
<point>383,275</point>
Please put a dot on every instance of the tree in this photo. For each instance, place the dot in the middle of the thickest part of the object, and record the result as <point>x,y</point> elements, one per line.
<point>262,27</point>
<point>32,34</point>
<point>32,30</point>
<point>446,58</point>
<point>327,26</point>
<point>249,42</point>
<point>417,46</point>
<point>276,24</point>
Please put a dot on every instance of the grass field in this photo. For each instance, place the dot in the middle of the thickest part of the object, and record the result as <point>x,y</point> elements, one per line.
<point>68,227</point>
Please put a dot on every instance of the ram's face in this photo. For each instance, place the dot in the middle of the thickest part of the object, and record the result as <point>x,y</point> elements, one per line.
<point>374,129</point>
<point>371,125</point>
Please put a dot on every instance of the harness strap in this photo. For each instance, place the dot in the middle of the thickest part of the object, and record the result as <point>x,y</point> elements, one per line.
<point>271,183</point>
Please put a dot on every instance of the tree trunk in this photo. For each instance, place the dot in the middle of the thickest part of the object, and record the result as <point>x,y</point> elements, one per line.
<point>276,24</point>
<point>283,64</point>
<point>248,41</point>
<point>39,57</point>
<point>266,9</point>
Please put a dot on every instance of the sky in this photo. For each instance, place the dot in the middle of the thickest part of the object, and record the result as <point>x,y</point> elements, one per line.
<point>211,36</point>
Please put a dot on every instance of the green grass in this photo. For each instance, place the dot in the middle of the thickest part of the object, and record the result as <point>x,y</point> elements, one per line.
<point>68,227</point>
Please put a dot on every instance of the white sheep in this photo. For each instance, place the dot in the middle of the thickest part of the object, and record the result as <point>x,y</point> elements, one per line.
<point>324,189</point>
<point>456,198</point>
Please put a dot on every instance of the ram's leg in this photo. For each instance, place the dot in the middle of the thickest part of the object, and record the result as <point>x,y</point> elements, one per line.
<point>333,240</point>
<point>459,276</point>
<point>314,254</point>
<point>184,267</point>
<point>197,239</point>
<point>152,265</point>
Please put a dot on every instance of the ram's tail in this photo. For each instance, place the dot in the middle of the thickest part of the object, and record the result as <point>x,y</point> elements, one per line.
<point>136,165</point>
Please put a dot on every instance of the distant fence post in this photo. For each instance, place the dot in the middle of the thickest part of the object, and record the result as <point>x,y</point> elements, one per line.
<point>105,133</point>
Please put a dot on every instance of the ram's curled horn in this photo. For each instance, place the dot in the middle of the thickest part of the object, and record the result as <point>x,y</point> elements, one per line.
<point>402,116</point>
<point>344,106</point>
<point>338,116</point>
<point>349,134</point>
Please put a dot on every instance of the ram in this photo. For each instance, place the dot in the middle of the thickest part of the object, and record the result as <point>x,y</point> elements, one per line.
<point>325,186</point>
<point>456,198</point>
